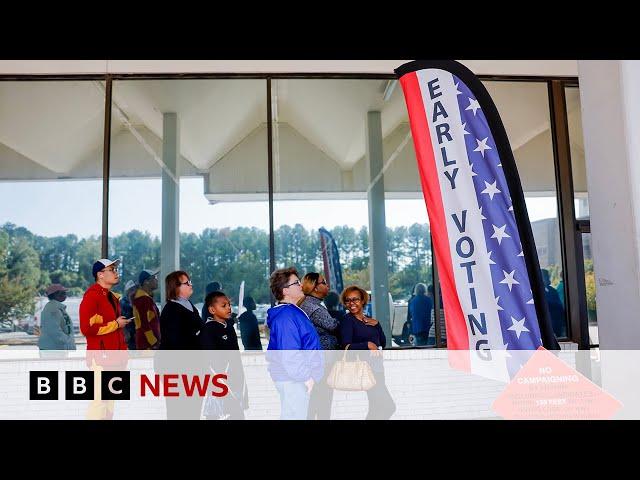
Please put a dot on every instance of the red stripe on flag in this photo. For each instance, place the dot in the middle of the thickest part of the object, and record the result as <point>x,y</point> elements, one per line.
<point>457,337</point>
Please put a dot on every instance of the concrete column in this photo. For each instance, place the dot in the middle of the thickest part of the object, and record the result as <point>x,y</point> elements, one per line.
<point>610,98</point>
<point>377,225</point>
<point>170,241</point>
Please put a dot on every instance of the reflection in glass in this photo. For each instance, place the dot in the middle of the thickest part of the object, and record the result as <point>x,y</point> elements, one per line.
<point>576,142</point>
<point>51,149</point>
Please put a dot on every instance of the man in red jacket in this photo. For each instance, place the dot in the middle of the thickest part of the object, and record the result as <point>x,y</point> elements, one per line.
<point>100,319</point>
<point>102,324</point>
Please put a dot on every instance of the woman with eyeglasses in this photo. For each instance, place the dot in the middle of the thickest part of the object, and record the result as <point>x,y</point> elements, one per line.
<point>180,324</point>
<point>315,289</point>
<point>293,372</point>
<point>359,332</point>
<point>180,321</point>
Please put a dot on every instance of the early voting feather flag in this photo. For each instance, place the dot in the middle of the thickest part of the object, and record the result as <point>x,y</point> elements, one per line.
<point>491,283</point>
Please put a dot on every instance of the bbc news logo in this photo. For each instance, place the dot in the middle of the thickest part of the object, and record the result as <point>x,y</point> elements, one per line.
<point>116,385</point>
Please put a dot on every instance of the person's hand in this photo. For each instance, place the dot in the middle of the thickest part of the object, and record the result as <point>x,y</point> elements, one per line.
<point>122,321</point>
<point>309,383</point>
<point>373,349</point>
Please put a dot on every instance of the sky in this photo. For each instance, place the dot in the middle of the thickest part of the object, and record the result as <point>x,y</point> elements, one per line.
<point>51,208</point>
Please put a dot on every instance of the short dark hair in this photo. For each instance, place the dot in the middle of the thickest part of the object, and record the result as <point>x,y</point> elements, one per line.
<point>211,298</point>
<point>172,283</point>
<point>310,281</point>
<point>249,303</point>
<point>213,287</point>
<point>332,300</point>
<point>364,296</point>
<point>279,279</point>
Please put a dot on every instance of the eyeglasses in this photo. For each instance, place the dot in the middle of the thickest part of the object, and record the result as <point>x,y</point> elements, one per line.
<point>323,282</point>
<point>352,300</point>
<point>297,282</point>
<point>188,282</point>
<point>109,269</point>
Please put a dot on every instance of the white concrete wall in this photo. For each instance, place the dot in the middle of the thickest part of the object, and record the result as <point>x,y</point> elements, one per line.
<point>610,97</point>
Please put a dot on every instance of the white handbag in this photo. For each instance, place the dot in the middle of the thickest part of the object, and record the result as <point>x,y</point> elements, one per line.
<point>354,375</point>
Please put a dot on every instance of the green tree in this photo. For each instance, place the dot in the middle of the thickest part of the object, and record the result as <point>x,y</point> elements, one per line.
<point>19,276</point>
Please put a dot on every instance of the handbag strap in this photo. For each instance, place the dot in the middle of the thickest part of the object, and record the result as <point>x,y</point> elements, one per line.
<point>344,355</point>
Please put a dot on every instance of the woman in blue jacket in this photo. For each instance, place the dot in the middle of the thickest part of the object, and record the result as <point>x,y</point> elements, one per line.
<point>293,371</point>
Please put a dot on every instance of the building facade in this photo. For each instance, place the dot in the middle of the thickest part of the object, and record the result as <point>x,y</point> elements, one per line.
<point>227,169</point>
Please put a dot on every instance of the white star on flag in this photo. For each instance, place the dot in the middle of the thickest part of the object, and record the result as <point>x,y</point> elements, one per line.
<point>458,92</point>
<point>509,280</point>
<point>471,172</point>
<point>491,262</point>
<point>482,217</point>
<point>482,146</point>
<point>518,326</point>
<point>491,189</point>
<point>530,302</point>
<point>506,352</point>
<point>521,254</point>
<point>498,305</point>
<point>499,233</point>
<point>510,209</point>
<point>464,129</point>
<point>473,105</point>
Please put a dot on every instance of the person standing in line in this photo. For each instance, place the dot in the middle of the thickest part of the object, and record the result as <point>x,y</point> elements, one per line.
<point>419,313</point>
<point>360,332</point>
<point>293,369</point>
<point>249,331</point>
<point>180,324</point>
<point>56,329</point>
<point>126,307</point>
<point>100,319</point>
<point>315,288</point>
<point>102,324</point>
<point>219,334</point>
<point>147,315</point>
<point>180,321</point>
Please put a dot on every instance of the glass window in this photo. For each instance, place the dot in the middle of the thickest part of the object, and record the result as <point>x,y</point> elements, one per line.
<point>321,179</point>
<point>51,152</point>
<point>189,189</point>
<point>576,142</point>
<point>590,289</point>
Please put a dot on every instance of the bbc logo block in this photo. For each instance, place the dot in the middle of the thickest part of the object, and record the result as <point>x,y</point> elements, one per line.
<point>43,385</point>
<point>80,385</point>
